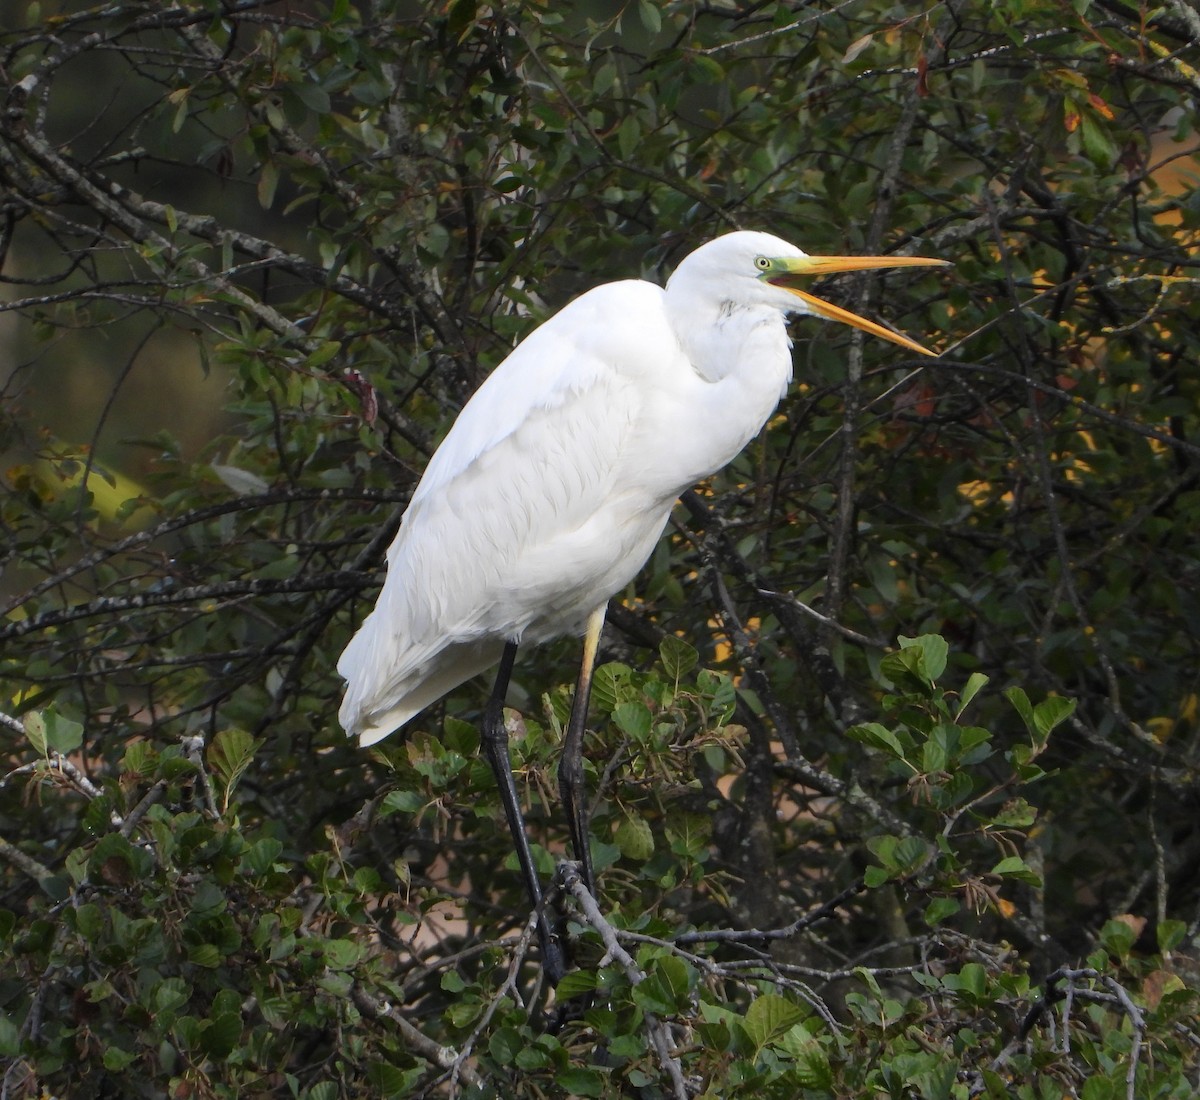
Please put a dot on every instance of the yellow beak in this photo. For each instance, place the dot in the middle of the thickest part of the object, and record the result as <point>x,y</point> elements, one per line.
<point>783,271</point>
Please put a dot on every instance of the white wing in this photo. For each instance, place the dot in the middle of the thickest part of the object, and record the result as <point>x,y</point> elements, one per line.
<point>520,526</point>
<point>555,364</point>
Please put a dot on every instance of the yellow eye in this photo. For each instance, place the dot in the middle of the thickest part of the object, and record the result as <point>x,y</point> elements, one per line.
<point>762,263</point>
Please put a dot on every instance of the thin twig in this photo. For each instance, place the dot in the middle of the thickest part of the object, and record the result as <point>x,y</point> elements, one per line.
<point>375,1009</point>
<point>508,987</point>
<point>749,935</point>
<point>658,1031</point>
<point>12,854</point>
<point>193,749</point>
<point>1114,993</point>
<point>134,817</point>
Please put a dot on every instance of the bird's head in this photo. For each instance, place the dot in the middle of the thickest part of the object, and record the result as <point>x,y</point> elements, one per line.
<point>746,268</point>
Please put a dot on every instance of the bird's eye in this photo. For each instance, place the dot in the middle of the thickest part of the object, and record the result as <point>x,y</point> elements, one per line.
<point>762,263</point>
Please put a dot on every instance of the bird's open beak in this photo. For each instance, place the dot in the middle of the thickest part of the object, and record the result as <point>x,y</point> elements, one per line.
<point>785,271</point>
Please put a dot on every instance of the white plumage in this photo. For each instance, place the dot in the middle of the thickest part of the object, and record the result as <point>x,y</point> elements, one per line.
<point>556,480</point>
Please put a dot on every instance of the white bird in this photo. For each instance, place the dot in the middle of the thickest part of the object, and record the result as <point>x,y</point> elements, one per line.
<point>555,482</point>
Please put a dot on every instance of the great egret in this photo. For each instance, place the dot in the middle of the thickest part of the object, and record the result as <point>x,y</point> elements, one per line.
<point>556,480</point>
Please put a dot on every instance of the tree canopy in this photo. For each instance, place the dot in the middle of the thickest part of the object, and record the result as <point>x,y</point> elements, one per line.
<point>895,741</point>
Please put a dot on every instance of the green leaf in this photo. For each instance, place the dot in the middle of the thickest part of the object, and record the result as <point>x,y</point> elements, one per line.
<point>974,685</point>
<point>877,736</point>
<point>325,351</point>
<point>1170,934</point>
<point>898,855</point>
<point>678,657</point>
<point>115,1059</point>
<point>934,652</point>
<point>666,987</point>
<point>634,720</point>
<point>391,1081</point>
<point>768,1018</point>
<point>268,181</point>
<point>89,921</point>
<point>461,18</point>
<point>229,755</point>
<point>531,1057</point>
<point>505,1043</point>
<point>610,684</point>
<point>1099,1088</point>
<point>342,954</point>
<point>220,1038</point>
<point>459,736</point>
<point>405,802</point>
<point>1117,938</point>
<point>1017,813</point>
<point>117,862</point>
<point>260,857</point>
<point>63,735</point>
<point>1097,145</point>
<point>1040,720</point>
<point>207,955</point>
<point>48,731</point>
<point>10,1037</point>
<point>1024,708</point>
<point>939,749</point>
<point>1016,867</point>
<point>179,98</point>
<point>629,137</point>
<point>576,982</point>
<point>226,1001</point>
<point>910,853</point>
<point>813,1068</point>
<point>581,1081</point>
<point>650,16</point>
<point>883,847</point>
<point>1050,712</point>
<point>313,96</point>
<point>874,877</point>
<point>322,1090</point>
<point>35,732</point>
<point>635,838</point>
<point>170,994</point>
<point>971,979</point>
<point>939,909</point>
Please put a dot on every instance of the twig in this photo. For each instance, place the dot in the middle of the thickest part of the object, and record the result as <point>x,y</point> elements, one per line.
<point>77,778</point>
<point>22,862</point>
<point>58,769</point>
<point>153,795</point>
<point>375,1009</point>
<point>509,986</point>
<point>613,951</point>
<point>737,935</point>
<point>1115,994</point>
<point>193,749</point>
<point>225,590</point>
<point>824,620</point>
<point>1147,431</point>
<point>196,516</point>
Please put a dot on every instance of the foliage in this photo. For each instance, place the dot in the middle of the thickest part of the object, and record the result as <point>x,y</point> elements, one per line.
<point>910,812</point>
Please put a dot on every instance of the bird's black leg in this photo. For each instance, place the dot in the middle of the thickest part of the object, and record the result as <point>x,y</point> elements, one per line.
<point>570,766</point>
<point>494,742</point>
